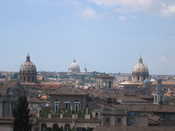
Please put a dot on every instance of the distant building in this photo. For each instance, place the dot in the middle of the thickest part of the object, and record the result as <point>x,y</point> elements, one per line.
<point>28,71</point>
<point>8,101</point>
<point>140,76</point>
<point>104,81</point>
<point>140,71</point>
<point>68,98</point>
<point>159,94</point>
<point>74,67</point>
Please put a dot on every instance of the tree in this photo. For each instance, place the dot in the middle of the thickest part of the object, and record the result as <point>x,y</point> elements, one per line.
<point>21,115</point>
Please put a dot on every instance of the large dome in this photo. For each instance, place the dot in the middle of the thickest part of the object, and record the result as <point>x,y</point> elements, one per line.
<point>140,71</point>
<point>140,67</point>
<point>28,66</point>
<point>74,67</point>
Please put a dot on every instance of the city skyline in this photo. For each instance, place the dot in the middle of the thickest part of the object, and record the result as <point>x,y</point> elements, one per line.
<point>105,36</point>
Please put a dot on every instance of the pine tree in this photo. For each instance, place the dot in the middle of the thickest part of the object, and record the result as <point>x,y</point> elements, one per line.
<point>21,115</point>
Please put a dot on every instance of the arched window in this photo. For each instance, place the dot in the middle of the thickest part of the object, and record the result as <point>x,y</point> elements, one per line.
<point>67,105</point>
<point>56,106</point>
<point>76,106</point>
<point>55,127</point>
<point>67,127</point>
<point>43,127</point>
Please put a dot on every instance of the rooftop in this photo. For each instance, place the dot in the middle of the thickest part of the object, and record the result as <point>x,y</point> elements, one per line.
<point>69,91</point>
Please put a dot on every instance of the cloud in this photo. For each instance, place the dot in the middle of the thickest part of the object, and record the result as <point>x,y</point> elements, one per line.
<point>89,13</point>
<point>167,10</point>
<point>122,18</point>
<point>123,10</point>
<point>137,4</point>
<point>164,59</point>
<point>123,7</point>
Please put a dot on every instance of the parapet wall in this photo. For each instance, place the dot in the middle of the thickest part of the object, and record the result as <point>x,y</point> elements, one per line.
<point>135,129</point>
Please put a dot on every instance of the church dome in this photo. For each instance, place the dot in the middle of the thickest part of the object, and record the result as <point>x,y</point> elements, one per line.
<point>28,71</point>
<point>74,67</point>
<point>28,66</point>
<point>140,71</point>
<point>140,67</point>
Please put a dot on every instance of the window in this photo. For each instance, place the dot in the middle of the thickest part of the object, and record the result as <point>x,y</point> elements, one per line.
<point>67,105</point>
<point>76,106</point>
<point>107,120</point>
<point>110,84</point>
<point>56,106</point>
<point>119,120</point>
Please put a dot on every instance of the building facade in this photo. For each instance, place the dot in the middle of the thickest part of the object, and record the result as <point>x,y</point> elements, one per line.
<point>104,81</point>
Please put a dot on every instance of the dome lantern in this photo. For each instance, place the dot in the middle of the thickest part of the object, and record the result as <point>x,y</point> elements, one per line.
<point>140,60</point>
<point>28,58</point>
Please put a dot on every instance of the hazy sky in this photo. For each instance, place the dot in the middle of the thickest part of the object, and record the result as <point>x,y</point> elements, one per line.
<point>103,35</point>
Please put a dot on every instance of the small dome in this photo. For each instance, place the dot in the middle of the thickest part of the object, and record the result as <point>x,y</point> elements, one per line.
<point>140,67</point>
<point>74,67</point>
<point>28,66</point>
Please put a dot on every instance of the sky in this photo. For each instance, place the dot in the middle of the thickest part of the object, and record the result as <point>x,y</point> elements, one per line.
<point>102,35</point>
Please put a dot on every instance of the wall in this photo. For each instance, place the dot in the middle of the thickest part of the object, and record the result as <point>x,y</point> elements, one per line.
<point>135,129</point>
<point>6,128</point>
